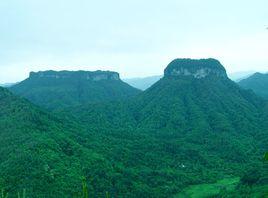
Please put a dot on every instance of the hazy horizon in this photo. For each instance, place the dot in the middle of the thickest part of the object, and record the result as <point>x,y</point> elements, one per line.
<point>134,38</point>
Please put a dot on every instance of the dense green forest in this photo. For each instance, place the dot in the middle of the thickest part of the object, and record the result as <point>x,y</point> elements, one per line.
<point>39,152</point>
<point>194,129</point>
<point>258,82</point>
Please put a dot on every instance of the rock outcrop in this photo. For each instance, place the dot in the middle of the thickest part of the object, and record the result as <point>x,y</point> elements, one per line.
<point>195,68</point>
<point>86,75</point>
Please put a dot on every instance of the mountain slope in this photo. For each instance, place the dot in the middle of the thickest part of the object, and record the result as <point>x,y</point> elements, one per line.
<point>193,126</point>
<point>39,152</point>
<point>54,90</point>
<point>258,82</point>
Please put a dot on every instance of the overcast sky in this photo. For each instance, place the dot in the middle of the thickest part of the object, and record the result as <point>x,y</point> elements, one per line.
<point>132,37</point>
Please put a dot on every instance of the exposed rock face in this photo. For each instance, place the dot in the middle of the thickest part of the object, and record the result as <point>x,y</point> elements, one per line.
<point>87,75</point>
<point>195,68</point>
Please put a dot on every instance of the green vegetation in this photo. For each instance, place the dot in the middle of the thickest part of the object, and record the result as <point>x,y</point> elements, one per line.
<point>209,190</point>
<point>23,195</point>
<point>85,188</point>
<point>198,130</point>
<point>39,152</point>
<point>3,194</point>
<point>182,134</point>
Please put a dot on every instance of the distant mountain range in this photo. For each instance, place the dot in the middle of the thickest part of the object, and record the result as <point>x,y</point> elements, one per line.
<point>143,83</point>
<point>237,76</point>
<point>7,84</point>
<point>258,82</point>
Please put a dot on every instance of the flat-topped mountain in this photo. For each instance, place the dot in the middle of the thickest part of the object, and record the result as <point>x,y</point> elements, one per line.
<point>258,82</point>
<point>195,68</point>
<point>53,89</point>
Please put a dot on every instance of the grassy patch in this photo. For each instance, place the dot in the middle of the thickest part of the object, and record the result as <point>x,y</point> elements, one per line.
<point>207,190</point>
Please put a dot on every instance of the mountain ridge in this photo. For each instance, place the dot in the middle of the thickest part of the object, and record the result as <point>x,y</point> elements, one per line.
<point>81,74</point>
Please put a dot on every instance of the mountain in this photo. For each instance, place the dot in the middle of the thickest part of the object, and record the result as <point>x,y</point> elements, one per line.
<point>143,83</point>
<point>258,82</point>
<point>194,126</point>
<point>7,84</point>
<point>237,76</point>
<point>51,89</point>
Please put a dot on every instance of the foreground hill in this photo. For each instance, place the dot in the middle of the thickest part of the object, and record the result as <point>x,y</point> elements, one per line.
<point>193,126</point>
<point>41,154</point>
<point>258,82</point>
<point>51,89</point>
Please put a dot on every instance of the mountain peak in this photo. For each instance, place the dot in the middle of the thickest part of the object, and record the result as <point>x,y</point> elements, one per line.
<point>87,75</point>
<point>259,74</point>
<point>197,68</point>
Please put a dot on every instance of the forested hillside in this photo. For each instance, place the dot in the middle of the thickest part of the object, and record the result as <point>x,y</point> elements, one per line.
<point>40,154</point>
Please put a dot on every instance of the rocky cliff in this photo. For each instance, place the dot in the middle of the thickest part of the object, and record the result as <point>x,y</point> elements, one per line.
<point>86,75</point>
<point>195,68</point>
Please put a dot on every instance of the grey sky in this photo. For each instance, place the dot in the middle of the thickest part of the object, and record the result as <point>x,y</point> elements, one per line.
<point>135,38</point>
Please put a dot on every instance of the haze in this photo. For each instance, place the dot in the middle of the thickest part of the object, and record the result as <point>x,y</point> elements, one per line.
<point>135,38</point>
